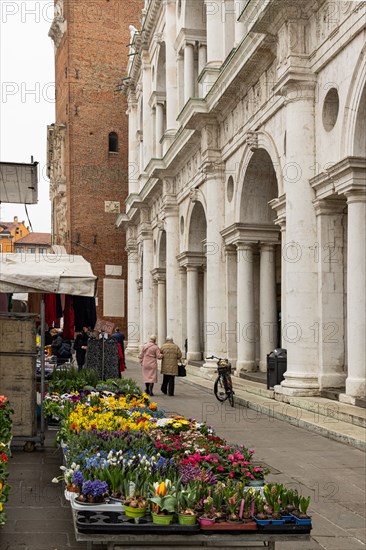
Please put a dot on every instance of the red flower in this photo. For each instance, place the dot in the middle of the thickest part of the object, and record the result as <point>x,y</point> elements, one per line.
<point>3,457</point>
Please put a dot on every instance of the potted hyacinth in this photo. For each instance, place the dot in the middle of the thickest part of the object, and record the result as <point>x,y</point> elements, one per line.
<point>135,491</point>
<point>93,492</point>
<point>208,516</point>
<point>187,499</point>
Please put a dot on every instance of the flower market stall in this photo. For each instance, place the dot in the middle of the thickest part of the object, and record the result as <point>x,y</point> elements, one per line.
<point>136,477</point>
<point>33,273</point>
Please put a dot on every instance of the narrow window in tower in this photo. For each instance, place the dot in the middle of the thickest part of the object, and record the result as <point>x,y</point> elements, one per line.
<point>113,142</point>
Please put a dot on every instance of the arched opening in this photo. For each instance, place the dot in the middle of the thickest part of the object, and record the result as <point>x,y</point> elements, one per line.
<point>160,101</point>
<point>113,142</point>
<point>196,282</point>
<point>359,147</point>
<point>260,245</point>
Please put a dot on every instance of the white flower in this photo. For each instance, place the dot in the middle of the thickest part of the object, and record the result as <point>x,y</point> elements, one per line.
<point>55,480</point>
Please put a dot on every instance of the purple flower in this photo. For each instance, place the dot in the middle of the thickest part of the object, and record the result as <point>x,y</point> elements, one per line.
<point>94,488</point>
<point>78,478</point>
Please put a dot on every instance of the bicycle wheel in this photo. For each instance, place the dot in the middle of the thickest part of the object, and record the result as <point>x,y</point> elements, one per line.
<point>219,389</point>
<point>230,391</point>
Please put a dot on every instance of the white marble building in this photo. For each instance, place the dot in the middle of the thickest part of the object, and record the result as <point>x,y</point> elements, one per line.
<point>247,193</point>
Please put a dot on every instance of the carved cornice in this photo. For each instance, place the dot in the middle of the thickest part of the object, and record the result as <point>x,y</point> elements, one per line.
<point>250,234</point>
<point>346,176</point>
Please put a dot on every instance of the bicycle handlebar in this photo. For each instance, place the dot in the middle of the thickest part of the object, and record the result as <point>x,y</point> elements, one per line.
<point>218,358</point>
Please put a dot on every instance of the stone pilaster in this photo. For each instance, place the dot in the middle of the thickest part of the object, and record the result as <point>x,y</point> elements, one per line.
<point>189,80</point>
<point>159,276</point>
<point>171,67</point>
<point>193,317</point>
<point>230,332</point>
<point>145,236</point>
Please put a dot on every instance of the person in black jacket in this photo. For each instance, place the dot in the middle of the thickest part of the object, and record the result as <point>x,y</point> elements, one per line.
<point>80,346</point>
<point>60,347</point>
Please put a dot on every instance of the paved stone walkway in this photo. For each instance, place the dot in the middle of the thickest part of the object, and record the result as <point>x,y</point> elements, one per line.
<point>331,472</point>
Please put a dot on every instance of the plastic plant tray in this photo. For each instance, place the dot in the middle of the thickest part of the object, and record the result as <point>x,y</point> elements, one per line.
<point>285,529</point>
<point>300,521</point>
<point>109,506</point>
<point>269,521</point>
<point>116,522</point>
<point>229,527</point>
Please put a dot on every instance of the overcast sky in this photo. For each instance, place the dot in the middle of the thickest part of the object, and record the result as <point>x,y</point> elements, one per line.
<point>27,96</point>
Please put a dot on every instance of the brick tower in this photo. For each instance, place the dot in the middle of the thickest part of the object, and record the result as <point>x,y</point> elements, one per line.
<point>88,144</point>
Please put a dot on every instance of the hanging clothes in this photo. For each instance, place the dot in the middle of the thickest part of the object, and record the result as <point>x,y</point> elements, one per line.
<point>50,309</point>
<point>102,355</point>
<point>69,319</point>
<point>85,312</point>
<point>4,302</point>
<point>121,359</point>
<point>34,302</point>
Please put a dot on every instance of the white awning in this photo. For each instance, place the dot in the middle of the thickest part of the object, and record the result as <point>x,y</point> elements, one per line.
<point>54,273</point>
<point>18,182</point>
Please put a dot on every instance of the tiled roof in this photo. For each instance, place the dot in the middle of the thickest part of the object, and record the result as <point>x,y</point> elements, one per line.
<point>35,238</point>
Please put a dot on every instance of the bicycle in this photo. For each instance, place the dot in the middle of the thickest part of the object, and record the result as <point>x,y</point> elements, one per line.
<point>223,387</point>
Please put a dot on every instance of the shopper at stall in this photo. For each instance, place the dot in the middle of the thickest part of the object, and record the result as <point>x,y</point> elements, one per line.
<point>149,355</point>
<point>60,348</point>
<point>169,365</point>
<point>80,346</point>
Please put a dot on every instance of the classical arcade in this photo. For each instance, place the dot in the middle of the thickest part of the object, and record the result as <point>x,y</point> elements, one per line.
<point>246,214</point>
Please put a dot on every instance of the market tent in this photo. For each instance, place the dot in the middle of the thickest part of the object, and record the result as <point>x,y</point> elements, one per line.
<point>54,273</point>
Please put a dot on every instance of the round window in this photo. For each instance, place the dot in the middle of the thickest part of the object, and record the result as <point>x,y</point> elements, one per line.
<point>330,109</point>
<point>230,189</point>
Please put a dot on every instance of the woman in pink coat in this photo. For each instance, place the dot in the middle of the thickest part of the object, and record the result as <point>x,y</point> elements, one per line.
<point>149,355</point>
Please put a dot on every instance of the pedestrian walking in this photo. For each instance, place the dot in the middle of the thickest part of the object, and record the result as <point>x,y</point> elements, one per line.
<point>149,355</point>
<point>169,365</point>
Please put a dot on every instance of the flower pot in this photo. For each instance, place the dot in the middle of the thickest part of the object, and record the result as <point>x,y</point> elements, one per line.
<point>187,519</point>
<point>256,483</point>
<point>206,521</point>
<point>134,512</point>
<point>161,519</point>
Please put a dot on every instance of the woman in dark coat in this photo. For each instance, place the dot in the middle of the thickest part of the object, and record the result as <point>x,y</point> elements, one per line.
<point>80,347</point>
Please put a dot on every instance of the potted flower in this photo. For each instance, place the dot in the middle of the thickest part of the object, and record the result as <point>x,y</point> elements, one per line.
<point>164,502</point>
<point>187,499</point>
<point>67,477</point>
<point>218,502</point>
<point>300,513</point>
<point>135,502</point>
<point>208,517</point>
<point>93,492</point>
<point>255,475</point>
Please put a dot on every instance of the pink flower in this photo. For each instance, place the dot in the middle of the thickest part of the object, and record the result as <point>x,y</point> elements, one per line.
<point>231,474</point>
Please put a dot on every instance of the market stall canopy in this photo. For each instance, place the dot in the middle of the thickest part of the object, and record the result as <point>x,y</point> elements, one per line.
<point>18,182</point>
<point>54,273</point>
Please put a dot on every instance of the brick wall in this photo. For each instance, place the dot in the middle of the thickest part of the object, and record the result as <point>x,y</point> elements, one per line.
<point>91,61</point>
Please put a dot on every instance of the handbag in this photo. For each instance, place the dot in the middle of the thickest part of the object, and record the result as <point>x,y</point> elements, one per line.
<point>181,370</point>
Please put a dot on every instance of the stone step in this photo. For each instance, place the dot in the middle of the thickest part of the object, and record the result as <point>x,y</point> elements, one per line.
<point>319,406</point>
<point>315,417</point>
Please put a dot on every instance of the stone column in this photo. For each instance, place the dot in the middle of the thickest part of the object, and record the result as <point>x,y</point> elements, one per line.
<point>171,67</point>
<point>240,28</point>
<point>301,377</point>
<point>141,307</point>
<point>133,327</point>
<point>161,310</point>
<point>356,293</point>
<point>134,146</point>
<point>180,76</point>
<point>159,128</point>
<point>282,224</point>
<point>267,304</point>
<point>245,309</point>
<point>231,303</point>
<point>148,321</point>
<point>182,335</point>
<point>173,303</point>
<point>215,31</point>
<point>189,80</point>
<point>329,330</point>
<point>202,60</point>
<point>193,317</point>
<point>147,113</point>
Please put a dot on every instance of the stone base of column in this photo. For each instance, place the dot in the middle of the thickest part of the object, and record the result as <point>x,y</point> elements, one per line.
<point>194,356</point>
<point>208,77</point>
<point>335,380</point>
<point>348,399</point>
<point>209,369</point>
<point>263,366</point>
<point>356,387</point>
<point>168,139</point>
<point>245,366</point>
<point>305,385</point>
<point>132,349</point>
